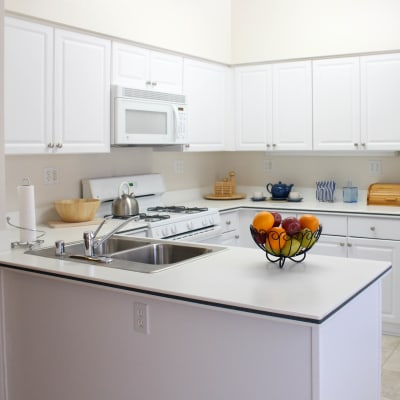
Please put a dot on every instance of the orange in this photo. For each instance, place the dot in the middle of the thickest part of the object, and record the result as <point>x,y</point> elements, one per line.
<point>263,221</point>
<point>276,239</point>
<point>309,221</point>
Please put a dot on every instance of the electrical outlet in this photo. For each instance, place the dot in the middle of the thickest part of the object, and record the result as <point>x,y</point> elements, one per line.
<point>268,165</point>
<point>50,176</point>
<point>178,166</point>
<point>141,318</point>
<point>374,167</point>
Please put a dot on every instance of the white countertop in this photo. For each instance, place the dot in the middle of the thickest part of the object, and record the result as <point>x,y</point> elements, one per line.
<point>237,278</point>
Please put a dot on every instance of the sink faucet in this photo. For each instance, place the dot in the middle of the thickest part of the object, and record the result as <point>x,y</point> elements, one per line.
<point>89,237</point>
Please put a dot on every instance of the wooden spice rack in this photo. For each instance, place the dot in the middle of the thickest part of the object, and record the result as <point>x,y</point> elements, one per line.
<point>225,189</point>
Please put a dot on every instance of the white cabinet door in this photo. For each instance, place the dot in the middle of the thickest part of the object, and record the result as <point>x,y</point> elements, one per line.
<point>166,72</point>
<point>328,245</point>
<point>380,97</point>
<point>28,86</point>
<point>205,85</point>
<point>292,106</point>
<point>141,68</point>
<point>253,107</point>
<point>336,104</point>
<point>82,93</point>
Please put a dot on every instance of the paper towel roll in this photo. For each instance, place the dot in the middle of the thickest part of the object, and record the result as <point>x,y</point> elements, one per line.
<point>27,216</point>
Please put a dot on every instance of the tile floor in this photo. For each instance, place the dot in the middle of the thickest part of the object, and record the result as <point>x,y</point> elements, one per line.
<point>390,368</point>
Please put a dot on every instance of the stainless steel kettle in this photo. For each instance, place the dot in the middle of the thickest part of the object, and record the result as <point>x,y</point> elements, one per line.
<point>125,204</point>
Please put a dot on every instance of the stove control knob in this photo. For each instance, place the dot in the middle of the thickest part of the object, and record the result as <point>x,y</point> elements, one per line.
<point>204,222</point>
<point>165,231</point>
<point>189,225</point>
<point>173,229</point>
<point>211,220</point>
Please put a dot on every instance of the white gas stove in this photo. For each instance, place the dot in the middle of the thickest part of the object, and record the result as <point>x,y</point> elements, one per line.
<point>176,222</point>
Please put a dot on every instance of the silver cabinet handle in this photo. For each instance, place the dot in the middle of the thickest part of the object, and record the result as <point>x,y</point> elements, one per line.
<point>228,222</point>
<point>153,83</point>
<point>349,245</point>
<point>341,244</point>
<point>273,144</point>
<point>372,228</point>
<point>59,145</point>
<point>237,236</point>
<point>50,145</point>
<point>148,82</point>
<point>268,145</point>
<point>355,144</point>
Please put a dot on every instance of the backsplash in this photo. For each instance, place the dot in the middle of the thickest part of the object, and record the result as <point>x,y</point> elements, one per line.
<point>183,171</point>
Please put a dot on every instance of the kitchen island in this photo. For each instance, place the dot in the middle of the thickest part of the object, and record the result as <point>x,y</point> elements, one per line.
<point>229,325</point>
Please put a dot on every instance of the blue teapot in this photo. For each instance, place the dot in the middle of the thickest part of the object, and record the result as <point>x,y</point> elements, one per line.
<point>279,190</point>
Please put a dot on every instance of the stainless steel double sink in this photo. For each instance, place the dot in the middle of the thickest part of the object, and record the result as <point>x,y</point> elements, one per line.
<point>133,254</point>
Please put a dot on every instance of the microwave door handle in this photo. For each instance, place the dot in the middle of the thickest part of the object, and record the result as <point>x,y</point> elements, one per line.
<point>176,119</point>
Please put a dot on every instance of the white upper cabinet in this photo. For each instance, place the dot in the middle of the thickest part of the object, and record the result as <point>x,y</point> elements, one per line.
<point>274,107</point>
<point>28,86</point>
<point>141,68</point>
<point>253,117</point>
<point>380,99</point>
<point>336,104</point>
<point>205,85</point>
<point>81,93</point>
<point>292,106</point>
<point>57,90</point>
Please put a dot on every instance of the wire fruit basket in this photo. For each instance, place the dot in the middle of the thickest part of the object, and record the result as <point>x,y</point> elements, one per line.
<point>295,248</point>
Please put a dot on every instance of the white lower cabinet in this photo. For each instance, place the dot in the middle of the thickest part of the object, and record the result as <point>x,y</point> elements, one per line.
<point>230,229</point>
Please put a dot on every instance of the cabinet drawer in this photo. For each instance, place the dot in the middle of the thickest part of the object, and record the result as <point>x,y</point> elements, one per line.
<point>333,224</point>
<point>376,228</point>
<point>229,221</point>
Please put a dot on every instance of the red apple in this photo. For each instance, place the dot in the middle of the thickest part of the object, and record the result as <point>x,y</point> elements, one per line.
<point>277,218</point>
<point>291,225</point>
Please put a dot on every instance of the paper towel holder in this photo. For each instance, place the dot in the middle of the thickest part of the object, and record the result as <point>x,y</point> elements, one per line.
<point>29,245</point>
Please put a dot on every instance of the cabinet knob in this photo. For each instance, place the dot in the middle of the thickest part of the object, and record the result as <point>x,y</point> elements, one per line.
<point>228,222</point>
<point>268,145</point>
<point>363,144</point>
<point>341,244</point>
<point>372,228</point>
<point>349,245</point>
<point>237,236</point>
<point>50,145</point>
<point>355,144</point>
<point>59,145</point>
<point>153,83</point>
<point>148,82</point>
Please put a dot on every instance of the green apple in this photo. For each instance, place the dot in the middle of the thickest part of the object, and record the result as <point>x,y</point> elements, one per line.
<point>291,247</point>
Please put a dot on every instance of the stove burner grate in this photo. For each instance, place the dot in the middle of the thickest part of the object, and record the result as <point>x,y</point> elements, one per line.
<point>143,216</point>
<point>178,209</point>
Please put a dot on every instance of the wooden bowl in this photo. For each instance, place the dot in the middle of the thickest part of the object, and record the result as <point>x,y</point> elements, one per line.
<point>77,210</point>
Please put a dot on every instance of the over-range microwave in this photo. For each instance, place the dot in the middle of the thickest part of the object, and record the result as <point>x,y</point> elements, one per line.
<point>146,117</point>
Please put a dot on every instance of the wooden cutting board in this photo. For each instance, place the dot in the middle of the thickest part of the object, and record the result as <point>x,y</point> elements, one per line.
<point>62,224</point>
<point>235,196</point>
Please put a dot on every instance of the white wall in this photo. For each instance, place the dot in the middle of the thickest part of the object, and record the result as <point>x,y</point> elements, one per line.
<point>199,28</point>
<point>266,30</point>
<point>4,235</point>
